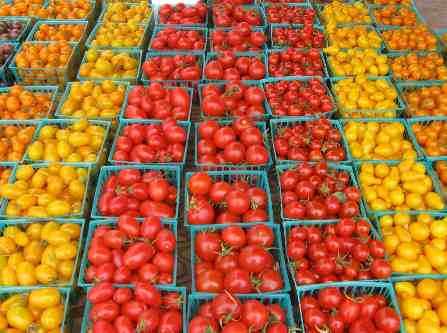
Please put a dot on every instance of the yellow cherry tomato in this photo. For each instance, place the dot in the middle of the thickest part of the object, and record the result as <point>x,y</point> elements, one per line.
<point>19,317</point>
<point>44,298</point>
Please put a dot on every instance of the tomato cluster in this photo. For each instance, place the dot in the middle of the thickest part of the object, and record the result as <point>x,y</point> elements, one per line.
<point>344,251</point>
<point>340,312</point>
<point>228,15</point>
<point>299,37</point>
<point>298,98</point>
<point>226,313</point>
<point>240,39</point>
<point>240,142</point>
<point>284,13</point>
<point>177,67</point>
<point>151,143</point>
<point>309,141</point>
<point>235,98</point>
<point>223,202</point>
<point>137,193</point>
<point>131,251</point>
<point>294,62</point>
<point>175,39</point>
<point>237,260</point>
<point>317,192</point>
<point>157,102</point>
<point>182,14</point>
<point>142,308</point>
<point>227,66</point>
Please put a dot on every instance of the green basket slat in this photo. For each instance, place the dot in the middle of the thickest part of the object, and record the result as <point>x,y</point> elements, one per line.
<point>430,173</point>
<point>31,35</point>
<point>27,24</point>
<point>63,123</point>
<point>113,222</point>
<point>407,135</point>
<point>372,10</point>
<point>47,74</point>
<point>319,224</point>
<point>86,323</point>
<point>254,178</point>
<point>440,33</point>
<point>213,55</point>
<point>165,25</point>
<point>157,29</point>
<point>277,247</point>
<point>99,24</point>
<point>280,168</point>
<point>290,26</point>
<point>261,125</point>
<point>404,86</point>
<point>302,79</point>
<point>66,94</point>
<point>418,147</point>
<point>83,210</point>
<point>53,90</point>
<point>221,84</point>
<point>369,28</point>
<point>190,92</point>
<point>24,222</point>
<point>322,57</point>
<point>171,172</point>
<point>376,288</point>
<point>291,121</point>
<point>186,125</point>
<point>135,53</point>
<point>319,8</point>
<point>24,123</point>
<point>305,5</point>
<point>195,300</point>
<point>392,55</point>
<point>409,276</point>
<point>5,75</point>
<point>210,42</point>
<point>255,7</point>
<point>381,29</point>
<point>400,104</point>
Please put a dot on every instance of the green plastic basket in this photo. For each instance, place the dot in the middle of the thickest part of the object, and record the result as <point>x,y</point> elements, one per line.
<point>24,222</point>
<point>196,300</point>
<point>134,53</point>
<point>254,178</point>
<point>6,76</point>
<point>324,63</point>
<point>46,76</point>
<point>304,5</point>
<point>407,135</point>
<point>86,322</point>
<point>277,251</point>
<point>204,24</point>
<point>92,37</point>
<point>129,4</point>
<point>373,8</point>
<point>84,206</point>
<point>81,41</point>
<point>419,148</point>
<point>356,288</point>
<point>63,123</point>
<point>261,125</point>
<point>66,95</point>
<point>171,172</point>
<point>257,8</point>
<point>157,29</point>
<point>213,55</point>
<point>113,223</point>
<point>186,125</point>
<point>320,7</point>
<point>91,15</point>
<point>396,111</point>
<point>277,124</point>
<point>303,79</point>
<point>221,86</point>
<point>380,30</point>
<point>436,180</point>
<point>404,86</point>
<point>274,45</point>
<point>27,23</point>
<point>52,90</point>
<point>210,40</point>
<point>429,172</point>
<point>280,168</point>
<point>21,123</point>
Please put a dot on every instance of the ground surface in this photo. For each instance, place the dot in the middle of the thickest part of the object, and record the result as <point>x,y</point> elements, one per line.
<point>434,11</point>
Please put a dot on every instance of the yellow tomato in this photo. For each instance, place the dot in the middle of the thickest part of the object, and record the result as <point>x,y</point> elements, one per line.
<point>14,300</point>
<point>33,252</point>
<point>58,237</point>
<point>438,228</point>
<point>412,308</point>
<point>44,298</point>
<point>427,326</point>
<point>15,259</point>
<point>424,266</point>
<point>74,230</point>
<point>410,326</point>
<point>34,231</point>
<point>49,256</point>
<point>436,257</point>
<point>52,317</point>
<point>428,288</point>
<point>408,250</point>
<point>8,277</point>
<point>400,265</point>
<point>7,246</point>
<point>24,172</point>
<point>391,242</point>
<point>66,251</point>
<point>65,269</point>
<point>405,289</point>
<point>46,274</point>
<point>442,313</point>
<point>3,322</point>
<point>419,231</point>
<point>59,208</point>
<point>432,316</point>
<point>19,317</point>
<point>26,275</point>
